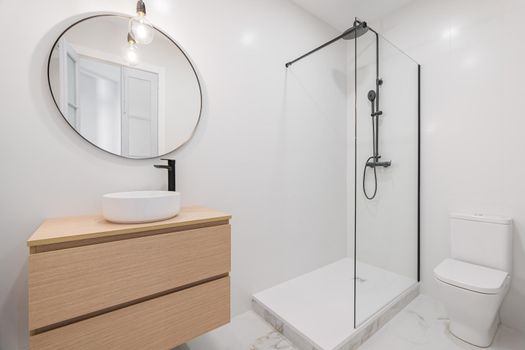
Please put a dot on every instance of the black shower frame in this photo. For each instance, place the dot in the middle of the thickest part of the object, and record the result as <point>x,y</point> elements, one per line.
<point>288,64</point>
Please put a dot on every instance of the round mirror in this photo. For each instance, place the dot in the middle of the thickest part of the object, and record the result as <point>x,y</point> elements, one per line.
<point>130,99</point>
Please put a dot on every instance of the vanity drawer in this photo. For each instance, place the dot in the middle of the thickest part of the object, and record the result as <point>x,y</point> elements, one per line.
<point>68,283</point>
<point>160,323</point>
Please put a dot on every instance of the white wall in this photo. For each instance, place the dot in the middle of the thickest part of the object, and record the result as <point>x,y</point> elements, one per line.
<point>350,154</point>
<point>472,54</point>
<point>270,148</point>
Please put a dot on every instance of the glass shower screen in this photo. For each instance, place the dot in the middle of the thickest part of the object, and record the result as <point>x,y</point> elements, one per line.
<point>366,92</point>
<point>386,174</point>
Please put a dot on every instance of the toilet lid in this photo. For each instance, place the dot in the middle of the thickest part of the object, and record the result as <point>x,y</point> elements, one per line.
<point>469,276</point>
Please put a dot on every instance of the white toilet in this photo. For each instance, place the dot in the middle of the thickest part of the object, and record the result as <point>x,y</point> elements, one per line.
<point>474,281</point>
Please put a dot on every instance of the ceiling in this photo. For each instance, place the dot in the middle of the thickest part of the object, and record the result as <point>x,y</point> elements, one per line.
<point>340,13</point>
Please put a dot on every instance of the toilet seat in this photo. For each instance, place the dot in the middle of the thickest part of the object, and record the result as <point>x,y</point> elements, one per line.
<point>472,277</point>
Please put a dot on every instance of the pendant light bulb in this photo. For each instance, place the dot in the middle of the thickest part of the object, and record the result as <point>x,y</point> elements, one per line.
<point>139,27</point>
<point>132,56</point>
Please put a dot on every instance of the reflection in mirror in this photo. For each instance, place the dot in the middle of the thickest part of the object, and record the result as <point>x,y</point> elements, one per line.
<point>129,99</point>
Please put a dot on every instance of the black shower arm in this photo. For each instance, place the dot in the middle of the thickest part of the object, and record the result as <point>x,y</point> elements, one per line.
<point>330,42</point>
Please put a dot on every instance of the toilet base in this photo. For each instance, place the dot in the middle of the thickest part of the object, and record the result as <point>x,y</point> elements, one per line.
<point>473,336</point>
<point>474,317</point>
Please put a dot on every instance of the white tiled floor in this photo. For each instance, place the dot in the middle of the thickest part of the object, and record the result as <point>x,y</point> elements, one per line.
<point>245,332</point>
<point>422,325</point>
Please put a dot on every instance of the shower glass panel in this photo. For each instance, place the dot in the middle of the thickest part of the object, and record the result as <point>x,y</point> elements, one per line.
<point>364,92</point>
<point>386,108</point>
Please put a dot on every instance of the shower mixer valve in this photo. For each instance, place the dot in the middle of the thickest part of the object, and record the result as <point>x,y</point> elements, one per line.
<point>375,163</point>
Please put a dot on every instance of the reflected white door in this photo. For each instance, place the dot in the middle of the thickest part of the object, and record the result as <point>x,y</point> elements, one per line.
<point>68,65</point>
<point>139,113</point>
<point>100,107</point>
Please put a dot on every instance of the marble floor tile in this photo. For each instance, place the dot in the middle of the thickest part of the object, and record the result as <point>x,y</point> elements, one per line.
<point>423,325</point>
<point>245,332</point>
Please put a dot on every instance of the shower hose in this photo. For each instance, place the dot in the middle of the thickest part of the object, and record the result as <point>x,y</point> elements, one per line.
<point>367,164</point>
<point>364,180</point>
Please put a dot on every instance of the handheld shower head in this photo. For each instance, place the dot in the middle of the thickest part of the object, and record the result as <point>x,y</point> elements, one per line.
<point>372,95</point>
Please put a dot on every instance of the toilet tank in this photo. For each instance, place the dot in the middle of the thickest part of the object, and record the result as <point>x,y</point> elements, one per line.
<point>482,240</point>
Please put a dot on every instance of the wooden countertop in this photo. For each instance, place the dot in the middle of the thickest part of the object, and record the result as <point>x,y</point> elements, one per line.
<point>71,229</point>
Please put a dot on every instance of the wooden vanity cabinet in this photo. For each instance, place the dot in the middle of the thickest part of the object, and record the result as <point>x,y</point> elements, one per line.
<point>98,285</point>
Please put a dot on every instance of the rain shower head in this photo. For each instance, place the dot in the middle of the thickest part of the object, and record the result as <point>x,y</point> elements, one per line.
<point>356,31</point>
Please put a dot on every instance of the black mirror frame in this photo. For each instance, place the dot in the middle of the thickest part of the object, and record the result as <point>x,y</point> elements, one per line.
<point>165,35</point>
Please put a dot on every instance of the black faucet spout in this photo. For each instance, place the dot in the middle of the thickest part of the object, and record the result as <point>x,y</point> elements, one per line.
<point>162,166</point>
<point>171,173</point>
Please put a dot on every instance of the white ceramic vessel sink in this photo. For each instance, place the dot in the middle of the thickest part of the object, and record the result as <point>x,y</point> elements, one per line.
<point>140,206</point>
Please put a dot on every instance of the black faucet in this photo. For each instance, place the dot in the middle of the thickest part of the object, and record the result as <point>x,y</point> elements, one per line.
<point>171,173</point>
